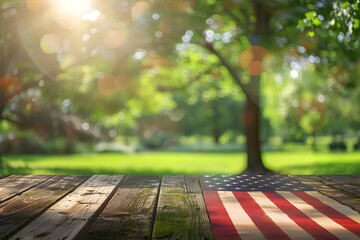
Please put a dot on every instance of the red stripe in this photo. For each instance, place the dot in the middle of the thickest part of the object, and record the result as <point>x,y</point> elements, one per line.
<point>306,223</point>
<point>330,212</point>
<point>221,224</point>
<point>263,222</point>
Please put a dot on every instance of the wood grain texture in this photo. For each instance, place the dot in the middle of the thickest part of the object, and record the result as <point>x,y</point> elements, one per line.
<point>129,214</point>
<point>21,209</point>
<point>350,184</point>
<point>181,211</point>
<point>17,184</point>
<point>68,216</point>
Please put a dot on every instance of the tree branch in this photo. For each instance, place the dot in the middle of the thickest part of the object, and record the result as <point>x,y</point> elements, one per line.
<point>236,77</point>
<point>191,81</point>
<point>2,117</point>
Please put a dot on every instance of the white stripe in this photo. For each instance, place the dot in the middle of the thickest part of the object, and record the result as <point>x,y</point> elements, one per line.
<point>279,217</point>
<point>242,222</point>
<point>324,221</point>
<point>336,205</point>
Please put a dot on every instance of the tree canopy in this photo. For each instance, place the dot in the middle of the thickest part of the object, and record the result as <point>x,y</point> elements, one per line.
<point>97,70</point>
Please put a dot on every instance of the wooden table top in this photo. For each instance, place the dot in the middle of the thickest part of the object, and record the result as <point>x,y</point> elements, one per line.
<point>140,207</point>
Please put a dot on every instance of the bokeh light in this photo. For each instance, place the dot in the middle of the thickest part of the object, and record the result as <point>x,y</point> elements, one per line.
<point>294,73</point>
<point>109,85</point>
<point>36,5</point>
<point>252,59</point>
<point>255,68</point>
<point>139,9</point>
<point>115,38</point>
<point>50,43</point>
<point>67,61</point>
<point>10,84</point>
<point>181,6</point>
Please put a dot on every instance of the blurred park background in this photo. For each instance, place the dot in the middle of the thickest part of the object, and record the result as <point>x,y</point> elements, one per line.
<point>158,87</point>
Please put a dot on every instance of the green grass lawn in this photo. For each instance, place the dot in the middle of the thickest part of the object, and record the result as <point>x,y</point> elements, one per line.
<point>147,163</point>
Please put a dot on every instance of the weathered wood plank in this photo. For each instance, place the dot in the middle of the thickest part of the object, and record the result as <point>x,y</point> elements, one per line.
<point>17,184</point>
<point>21,209</point>
<point>347,183</point>
<point>66,218</point>
<point>129,214</point>
<point>181,212</point>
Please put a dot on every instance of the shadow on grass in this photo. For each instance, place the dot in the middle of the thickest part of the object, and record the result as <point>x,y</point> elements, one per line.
<point>324,169</point>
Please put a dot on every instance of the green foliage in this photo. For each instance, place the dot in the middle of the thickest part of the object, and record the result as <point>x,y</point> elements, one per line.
<point>139,61</point>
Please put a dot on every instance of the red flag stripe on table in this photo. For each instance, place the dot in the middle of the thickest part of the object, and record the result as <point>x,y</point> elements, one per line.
<point>323,220</point>
<point>300,218</point>
<point>330,212</point>
<point>292,229</point>
<point>259,217</point>
<point>281,215</point>
<point>221,224</point>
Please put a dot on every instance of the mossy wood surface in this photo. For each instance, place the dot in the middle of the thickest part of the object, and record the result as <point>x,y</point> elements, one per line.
<point>124,207</point>
<point>181,212</point>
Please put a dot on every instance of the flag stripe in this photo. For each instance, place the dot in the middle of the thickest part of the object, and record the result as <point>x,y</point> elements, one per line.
<point>242,222</point>
<point>347,211</point>
<point>306,223</point>
<point>259,217</point>
<point>330,212</point>
<point>330,225</point>
<point>279,215</point>
<point>221,224</point>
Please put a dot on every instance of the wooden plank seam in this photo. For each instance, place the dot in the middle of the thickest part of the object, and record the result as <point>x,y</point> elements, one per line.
<point>22,190</point>
<point>96,214</point>
<point>66,218</point>
<point>155,209</point>
<point>11,227</point>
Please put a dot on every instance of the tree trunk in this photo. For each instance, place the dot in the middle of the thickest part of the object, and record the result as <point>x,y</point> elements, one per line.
<point>251,121</point>
<point>2,108</point>
<point>216,136</point>
<point>255,164</point>
<point>252,92</point>
<point>314,143</point>
<point>2,162</point>
<point>216,131</point>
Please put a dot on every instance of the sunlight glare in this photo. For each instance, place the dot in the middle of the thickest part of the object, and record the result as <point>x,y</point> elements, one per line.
<point>92,16</point>
<point>69,14</point>
<point>70,7</point>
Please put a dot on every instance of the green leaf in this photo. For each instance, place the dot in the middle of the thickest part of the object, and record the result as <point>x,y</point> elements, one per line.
<point>317,22</point>
<point>356,23</point>
<point>311,34</point>
<point>345,4</point>
<point>310,15</point>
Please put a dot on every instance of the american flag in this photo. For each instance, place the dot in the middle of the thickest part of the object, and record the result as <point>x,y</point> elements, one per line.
<point>274,207</point>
